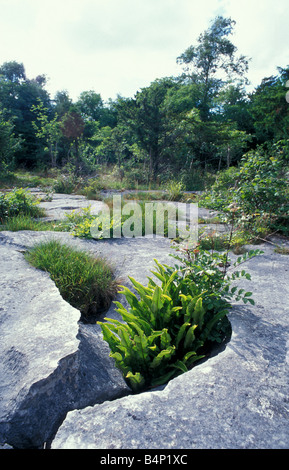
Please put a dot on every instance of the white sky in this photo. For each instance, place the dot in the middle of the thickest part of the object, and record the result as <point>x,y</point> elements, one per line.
<point>119,46</point>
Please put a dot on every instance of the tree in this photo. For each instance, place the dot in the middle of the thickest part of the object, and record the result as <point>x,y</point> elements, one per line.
<point>90,105</point>
<point>72,126</point>
<point>148,118</point>
<point>269,108</point>
<point>212,62</point>
<point>62,103</point>
<point>13,72</point>
<point>233,105</point>
<point>9,144</point>
<point>48,129</point>
<point>17,95</point>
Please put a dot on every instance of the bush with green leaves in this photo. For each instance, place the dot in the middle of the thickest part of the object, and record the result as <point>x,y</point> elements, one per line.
<point>259,195</point>
<point>175,190</point>
<point>18,202</point>
<point>175,320</point>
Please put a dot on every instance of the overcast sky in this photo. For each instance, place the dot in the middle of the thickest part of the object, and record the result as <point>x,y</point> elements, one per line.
<point>119,46</point>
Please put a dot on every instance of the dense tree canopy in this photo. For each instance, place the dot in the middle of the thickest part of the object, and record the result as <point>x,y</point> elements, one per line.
<point>202,119</point>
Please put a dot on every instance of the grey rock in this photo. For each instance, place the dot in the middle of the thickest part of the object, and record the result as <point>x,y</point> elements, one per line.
<point>237,399</point>
<point>51,363</point>
<point>38,330</point>
<point>59,385</point>
<point>63,204</point>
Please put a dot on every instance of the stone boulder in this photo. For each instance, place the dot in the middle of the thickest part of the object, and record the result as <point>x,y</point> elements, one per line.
<point>237,399</point>
<point>52,363</point>
<point>48,364</point>
<point>59,388</point>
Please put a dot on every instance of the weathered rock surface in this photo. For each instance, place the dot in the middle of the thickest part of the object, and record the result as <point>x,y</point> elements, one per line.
<point>53,367</point>
<point>63,204</point>
<point>237,399</point>
<point>38,340</point>
<point>51,363</point>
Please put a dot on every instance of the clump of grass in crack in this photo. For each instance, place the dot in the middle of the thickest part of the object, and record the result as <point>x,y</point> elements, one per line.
<point>282,250</point>
<point>85,282</point>
<point>25,222</point>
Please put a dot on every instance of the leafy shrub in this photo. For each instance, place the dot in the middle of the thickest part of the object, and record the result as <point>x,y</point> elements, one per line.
<point>260,197</point>
<point>175,190</point>
<point>18,202</point>
<point>170,326</point>
<point>79,222</point>
<point>65,184</point>
<point>92,190</point>
<point>226,179</point>
<point>87,283</point>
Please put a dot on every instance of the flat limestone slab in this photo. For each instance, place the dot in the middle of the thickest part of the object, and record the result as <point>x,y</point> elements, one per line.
<point>63,204</point>
<point>51,363</point>
<point>237,399</point>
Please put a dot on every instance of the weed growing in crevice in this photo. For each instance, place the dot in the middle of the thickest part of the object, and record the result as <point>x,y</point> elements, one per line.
<point>85,282</point>
<point>175,320</point>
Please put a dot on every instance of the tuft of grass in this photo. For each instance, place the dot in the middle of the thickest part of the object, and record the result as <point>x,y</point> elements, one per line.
<point>85,282</point>
<point>282,249</point>
<point>25,222</point>
<point>175,191</point>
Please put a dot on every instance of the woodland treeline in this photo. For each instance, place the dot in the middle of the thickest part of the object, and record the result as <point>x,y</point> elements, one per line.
<point>202,120</point>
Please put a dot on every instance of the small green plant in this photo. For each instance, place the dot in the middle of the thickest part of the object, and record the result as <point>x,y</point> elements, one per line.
<point>259,191</point>
<point>173,321</point>
<point>175,190</point>
<point>18,202</point>
<point>79,222</point>
<point>65,184</point>
<point>87,283</point>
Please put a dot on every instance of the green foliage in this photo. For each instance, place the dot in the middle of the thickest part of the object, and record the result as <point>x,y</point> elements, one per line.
<point>87,283</point>
<point>173,321</point>
<point>214,53</point>
<point>81,223</point>
<point>18,95</point>
<point>18,201</point>
<point>175,190</point>
<point>48,129</point>
<point>9,144</point>
<point>25,222</point>
<point>256,194</point>
<point>65,184</point>
<point>269,109</point>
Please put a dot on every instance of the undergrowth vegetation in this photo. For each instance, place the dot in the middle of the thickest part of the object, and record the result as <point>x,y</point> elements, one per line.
<point>254,196</point>
<point>18,202</point>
